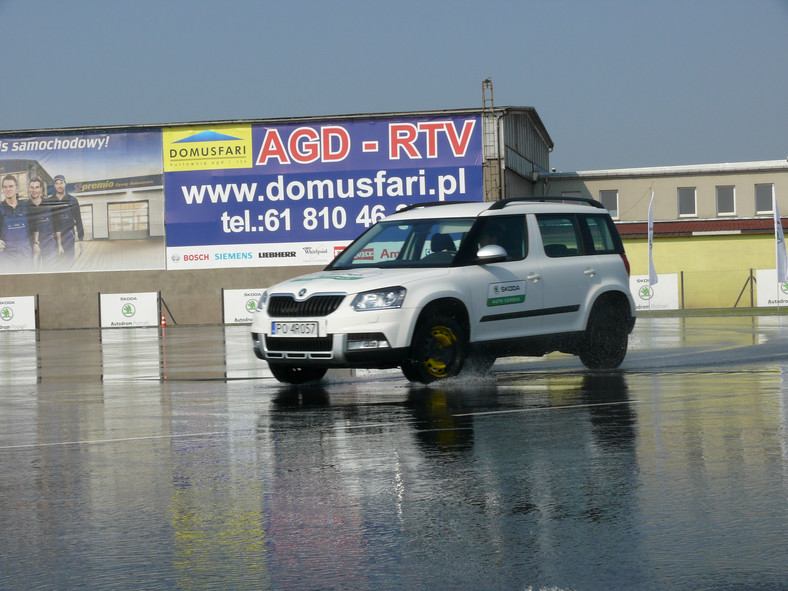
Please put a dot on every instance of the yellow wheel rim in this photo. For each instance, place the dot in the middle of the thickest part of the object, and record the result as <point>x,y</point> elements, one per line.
<point>440,350</point>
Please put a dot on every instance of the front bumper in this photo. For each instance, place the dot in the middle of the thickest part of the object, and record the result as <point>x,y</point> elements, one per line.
<point>355,339</point>
<point>373,350</point>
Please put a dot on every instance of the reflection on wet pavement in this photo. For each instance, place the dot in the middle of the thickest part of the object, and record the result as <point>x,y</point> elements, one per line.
<point>135,459</point>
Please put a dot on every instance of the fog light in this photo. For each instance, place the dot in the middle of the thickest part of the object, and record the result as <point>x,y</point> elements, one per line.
<point>357,342</point>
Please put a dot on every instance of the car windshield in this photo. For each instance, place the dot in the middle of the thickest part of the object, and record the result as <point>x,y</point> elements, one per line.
<point>410,243</point>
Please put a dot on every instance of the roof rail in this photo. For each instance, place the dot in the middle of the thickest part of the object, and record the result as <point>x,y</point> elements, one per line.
<point>432,204</point>
<point>547,199</point>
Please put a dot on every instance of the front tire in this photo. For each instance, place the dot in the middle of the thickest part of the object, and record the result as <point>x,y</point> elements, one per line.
<point>294,374</point>
<point>437,351</point>
<point>604,344</point>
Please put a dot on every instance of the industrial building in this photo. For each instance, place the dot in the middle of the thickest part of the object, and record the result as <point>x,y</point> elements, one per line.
<point>713,223</point>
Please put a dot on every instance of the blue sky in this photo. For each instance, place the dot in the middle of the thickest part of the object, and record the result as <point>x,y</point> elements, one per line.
<point>617,83</point>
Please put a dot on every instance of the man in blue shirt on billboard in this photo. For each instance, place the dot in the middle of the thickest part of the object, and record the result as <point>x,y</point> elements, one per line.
<point>16,236</point>
<point>45,240</point>
<point>67,219</point>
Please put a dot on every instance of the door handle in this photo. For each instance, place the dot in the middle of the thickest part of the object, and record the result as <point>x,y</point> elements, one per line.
<point>535,277</point>
<point>590,272</point>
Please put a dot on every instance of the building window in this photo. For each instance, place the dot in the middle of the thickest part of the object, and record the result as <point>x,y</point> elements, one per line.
<point>609,199</point>
<point>86,211</point>
<point>726,202</point>
<point>687,202</point>
<point>128,220</point>
<point>763,198</point>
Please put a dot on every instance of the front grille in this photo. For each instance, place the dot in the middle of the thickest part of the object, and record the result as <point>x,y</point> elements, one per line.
<point>301,345</point>
<point>285,306</point>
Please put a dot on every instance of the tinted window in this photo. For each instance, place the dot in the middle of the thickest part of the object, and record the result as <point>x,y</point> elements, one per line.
<point>508,232</point>
<point>601,233</point>
<point>560,235</point>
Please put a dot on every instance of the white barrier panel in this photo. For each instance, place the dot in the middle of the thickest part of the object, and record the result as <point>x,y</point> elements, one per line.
<point>18,313</point>
<point>770,293</point>
<point>664,295</point>
<point>129,309</point>
<point>240,305</point>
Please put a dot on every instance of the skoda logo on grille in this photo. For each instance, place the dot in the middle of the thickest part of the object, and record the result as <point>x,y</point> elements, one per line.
<point>301,293</point>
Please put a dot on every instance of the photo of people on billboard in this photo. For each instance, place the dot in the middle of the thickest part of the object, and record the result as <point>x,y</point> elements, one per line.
<point>85,201</point>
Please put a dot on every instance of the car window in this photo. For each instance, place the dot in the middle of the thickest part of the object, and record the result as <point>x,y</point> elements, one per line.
<point>445,237</point>
<point>602,235</point>
<point>409,243</point>
<point>508,232</point>
<point>560,235</point>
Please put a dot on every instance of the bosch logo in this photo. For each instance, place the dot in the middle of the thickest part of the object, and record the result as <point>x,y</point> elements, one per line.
<point>196,257</point>
<point>176,258</point>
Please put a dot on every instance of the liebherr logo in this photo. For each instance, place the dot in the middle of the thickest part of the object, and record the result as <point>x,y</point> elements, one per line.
<point>193,148</point>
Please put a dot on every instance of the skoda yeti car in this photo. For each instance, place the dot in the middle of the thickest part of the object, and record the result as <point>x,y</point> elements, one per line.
<point>441,288</point>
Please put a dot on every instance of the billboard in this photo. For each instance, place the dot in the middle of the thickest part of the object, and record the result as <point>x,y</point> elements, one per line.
<point>296,193</point>
<point>255,194</point>
<point>81,201</point>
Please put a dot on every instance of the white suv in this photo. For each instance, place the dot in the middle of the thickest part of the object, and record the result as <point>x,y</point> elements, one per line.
<point>440,287</point>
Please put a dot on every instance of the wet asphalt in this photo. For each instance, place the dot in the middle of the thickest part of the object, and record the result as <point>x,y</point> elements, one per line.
<point>171,459</point>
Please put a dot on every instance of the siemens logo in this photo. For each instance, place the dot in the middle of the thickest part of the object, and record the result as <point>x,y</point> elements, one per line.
<point>233,256</point>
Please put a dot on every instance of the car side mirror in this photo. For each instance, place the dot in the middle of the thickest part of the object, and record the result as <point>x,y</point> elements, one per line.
<point>492,253</point>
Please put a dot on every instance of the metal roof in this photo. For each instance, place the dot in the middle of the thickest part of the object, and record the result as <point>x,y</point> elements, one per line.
<point>529,111</point>
<point>683,170</point>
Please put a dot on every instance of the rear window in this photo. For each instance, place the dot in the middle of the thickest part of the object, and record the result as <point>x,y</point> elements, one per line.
<point>602,235</point>
<point>572,235</point>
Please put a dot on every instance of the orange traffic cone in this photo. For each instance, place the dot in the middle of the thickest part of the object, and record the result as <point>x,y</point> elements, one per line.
<point>163,321</point>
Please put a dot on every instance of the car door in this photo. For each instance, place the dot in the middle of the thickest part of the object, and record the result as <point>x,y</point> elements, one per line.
<point>569,271</point>
<point>506,295</point>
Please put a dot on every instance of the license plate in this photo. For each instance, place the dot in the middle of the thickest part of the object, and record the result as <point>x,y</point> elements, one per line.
<point>294,329</point>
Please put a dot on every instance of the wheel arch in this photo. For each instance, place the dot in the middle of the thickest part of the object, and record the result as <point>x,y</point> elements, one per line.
<point>615,299</point>
<point>452,307</point>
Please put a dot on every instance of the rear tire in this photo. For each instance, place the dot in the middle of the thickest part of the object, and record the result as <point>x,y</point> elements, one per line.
<point>294,374</point>
<point>604,344</point>
<point>437,351</point>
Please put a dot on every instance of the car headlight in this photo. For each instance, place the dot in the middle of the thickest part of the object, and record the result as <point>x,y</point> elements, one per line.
<point>379,299</point>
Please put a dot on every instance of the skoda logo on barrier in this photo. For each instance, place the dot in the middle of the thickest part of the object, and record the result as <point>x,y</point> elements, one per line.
<point>6,314</point>
<point>784,287</point>
<point>251,306</point>
<point>646,292</point>
<point>128,310</point>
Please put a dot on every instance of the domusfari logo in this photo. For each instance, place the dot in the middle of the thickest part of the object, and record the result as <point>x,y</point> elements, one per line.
<point>200,148</point>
